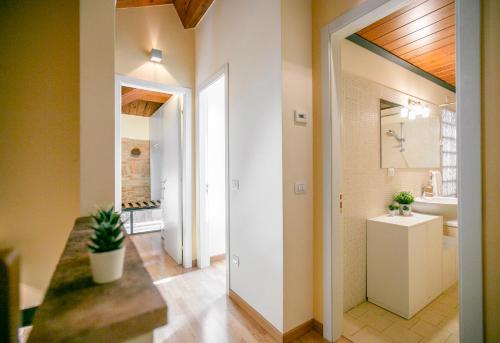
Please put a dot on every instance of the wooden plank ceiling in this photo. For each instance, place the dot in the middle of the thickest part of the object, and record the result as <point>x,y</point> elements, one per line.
<point>422,33</point>
<point>190,11</point>
<point>141,102</point>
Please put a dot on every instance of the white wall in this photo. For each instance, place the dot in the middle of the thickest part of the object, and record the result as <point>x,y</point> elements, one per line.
<point>246,35</point>
<point>140,29</point>
<point>135,127</point>
<point>97,105</point>
<point>215,165</point>
<point>297,163</point>
<point>362,62</point>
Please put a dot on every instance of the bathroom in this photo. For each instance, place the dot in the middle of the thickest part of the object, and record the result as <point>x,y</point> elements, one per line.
<point>398,135</point>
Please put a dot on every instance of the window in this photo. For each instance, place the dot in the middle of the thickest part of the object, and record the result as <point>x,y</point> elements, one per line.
<point>449,152</point>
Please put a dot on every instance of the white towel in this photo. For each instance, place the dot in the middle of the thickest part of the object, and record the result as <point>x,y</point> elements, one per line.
<point>437,182</point>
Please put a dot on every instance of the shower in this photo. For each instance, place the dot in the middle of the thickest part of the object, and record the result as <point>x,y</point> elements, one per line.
<point>399,139</point>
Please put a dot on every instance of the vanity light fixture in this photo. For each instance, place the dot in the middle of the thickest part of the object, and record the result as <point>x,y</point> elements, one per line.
<point>156,55</point>
<point>403,112</point>
<point>414,109</point>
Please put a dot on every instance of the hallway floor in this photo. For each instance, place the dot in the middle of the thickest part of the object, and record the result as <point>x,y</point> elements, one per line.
<point>200,312</point>
<point>198,309</point>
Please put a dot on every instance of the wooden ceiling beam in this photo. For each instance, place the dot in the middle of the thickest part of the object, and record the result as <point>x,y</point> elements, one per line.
<point>191,11</point>
<point>141,3</point>
<point>412,15</point>
<point>142,94</point>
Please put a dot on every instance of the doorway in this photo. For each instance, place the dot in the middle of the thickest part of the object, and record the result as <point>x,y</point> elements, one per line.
<point>468,157</point>
<point>162,159</point>
<point>213,196</point>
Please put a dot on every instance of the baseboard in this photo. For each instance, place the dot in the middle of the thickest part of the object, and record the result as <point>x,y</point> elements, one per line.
<point>216,258</point>
<point>286,337</point>
<point>298,331</point>
<point>213,259</point>
<point>266,325</point>
<point>318,327</point>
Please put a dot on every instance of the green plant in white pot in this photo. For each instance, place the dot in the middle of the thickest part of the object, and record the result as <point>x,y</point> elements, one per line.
<point>106,248</point>
<point>393,209</point>
<point>404,199</point>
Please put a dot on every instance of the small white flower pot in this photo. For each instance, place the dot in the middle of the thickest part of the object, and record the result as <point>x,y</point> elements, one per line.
<point>107,266</point>
<point>393,213</point>
<point>404,212</point>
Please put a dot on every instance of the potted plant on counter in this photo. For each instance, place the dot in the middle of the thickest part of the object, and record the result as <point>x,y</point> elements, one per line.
<point>393,209</point>
<point>404,199</point>
<point>106,248</point>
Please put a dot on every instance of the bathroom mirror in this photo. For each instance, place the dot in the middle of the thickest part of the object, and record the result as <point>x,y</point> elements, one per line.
<point>409,135</point>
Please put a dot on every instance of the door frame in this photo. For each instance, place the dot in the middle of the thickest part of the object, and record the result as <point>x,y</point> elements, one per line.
<point>186,153</point>
<point>202,251</point>
<point>468,96</point>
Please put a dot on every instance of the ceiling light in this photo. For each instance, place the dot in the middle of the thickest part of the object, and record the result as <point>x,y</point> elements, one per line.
<point>156,55</point>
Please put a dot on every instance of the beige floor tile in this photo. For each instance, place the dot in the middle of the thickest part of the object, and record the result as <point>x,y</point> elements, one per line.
<point>451,324</point>
<point>359,310</point>
<point>431,316</point>
<point>374,308</point>
<point>402,334</point>
<point>443,309</point>
<point>452,339</point>
<point>351,325</point>
<point>370,335</point>
<point>376,320</point>
<point>425,329</point>
<point>392,316</point>
<point>439,337</point>
<point>407,323</point>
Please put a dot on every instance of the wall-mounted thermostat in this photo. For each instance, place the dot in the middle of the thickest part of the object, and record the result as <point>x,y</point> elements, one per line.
<point>300,117</point>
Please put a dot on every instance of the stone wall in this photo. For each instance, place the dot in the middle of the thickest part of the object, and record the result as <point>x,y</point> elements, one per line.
<point>136,174</point>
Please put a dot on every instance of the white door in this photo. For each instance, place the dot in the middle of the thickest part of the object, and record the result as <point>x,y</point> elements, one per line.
<point>213,169</point>
<point>172,179</point>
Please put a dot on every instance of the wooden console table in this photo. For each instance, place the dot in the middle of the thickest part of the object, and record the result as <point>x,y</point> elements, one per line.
<point>75,309</point>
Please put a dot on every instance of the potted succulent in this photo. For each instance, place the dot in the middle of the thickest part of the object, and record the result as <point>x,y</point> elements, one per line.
<point>106,248</point>
<point>404,199</point>
<point>393,209</point>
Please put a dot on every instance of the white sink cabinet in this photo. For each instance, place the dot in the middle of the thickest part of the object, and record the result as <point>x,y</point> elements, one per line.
<point>404,260</point>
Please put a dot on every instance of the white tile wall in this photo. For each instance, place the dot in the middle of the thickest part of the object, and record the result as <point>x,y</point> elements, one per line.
<point>367,188</point>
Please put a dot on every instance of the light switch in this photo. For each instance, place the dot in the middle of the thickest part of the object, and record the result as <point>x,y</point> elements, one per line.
<point>390,172</point>
<point>236,260</point>
<point>235,185</point>
<point>300,187</point>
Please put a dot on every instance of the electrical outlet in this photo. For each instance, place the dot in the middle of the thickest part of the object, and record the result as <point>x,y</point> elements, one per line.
<point>236,260</point>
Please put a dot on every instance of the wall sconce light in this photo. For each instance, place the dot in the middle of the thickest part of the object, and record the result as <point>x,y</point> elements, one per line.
<point>156,55</point>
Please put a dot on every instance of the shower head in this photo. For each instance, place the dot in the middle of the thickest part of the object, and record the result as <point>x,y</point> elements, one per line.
<point>394,134</point>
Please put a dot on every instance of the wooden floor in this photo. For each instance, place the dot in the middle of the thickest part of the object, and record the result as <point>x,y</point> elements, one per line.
<point>198,309</point>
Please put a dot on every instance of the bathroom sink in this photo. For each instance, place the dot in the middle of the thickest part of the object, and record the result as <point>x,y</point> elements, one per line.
<point>440,206</point>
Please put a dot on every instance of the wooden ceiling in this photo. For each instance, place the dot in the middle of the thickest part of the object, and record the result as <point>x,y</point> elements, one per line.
<point>190,11</point>
<point>422,33</point>
<point>141,102</point>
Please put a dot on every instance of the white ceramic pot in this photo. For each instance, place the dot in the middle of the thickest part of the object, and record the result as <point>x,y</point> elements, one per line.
<point>107,266</point>
<point>404,212</point>
<point>393,213</point>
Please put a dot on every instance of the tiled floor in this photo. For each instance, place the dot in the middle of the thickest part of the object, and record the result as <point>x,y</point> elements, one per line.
<point>437,323</point>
